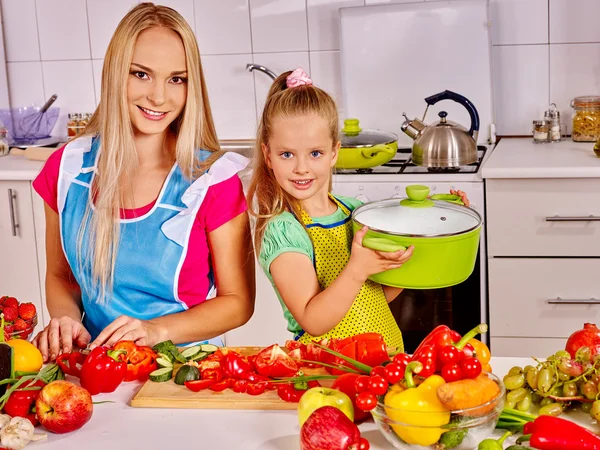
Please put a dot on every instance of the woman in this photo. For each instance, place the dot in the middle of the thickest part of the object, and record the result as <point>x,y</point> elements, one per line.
<point>141,226</point>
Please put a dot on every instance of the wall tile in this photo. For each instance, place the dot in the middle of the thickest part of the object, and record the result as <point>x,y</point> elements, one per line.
<point>278,25</point>
<point>20,30</point>
<point>574,21</point>
<point>325,72</point>
<point>63,30</point>
<point>104,16</point>
<point>520,96</point>
<point>183,7</point>
<point>278,63</point>
<point>73,81</point>
<point>519,22</point>
<point>26,84</point>
<point>574,71</point>
<point>324,22</point>
<point>231,93</point>
<point>378,2</point>
<point>223,27</point>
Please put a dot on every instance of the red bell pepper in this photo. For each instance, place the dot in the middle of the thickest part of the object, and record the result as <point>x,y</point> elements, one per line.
<point>256,388</point>
<point>215,375</point>
<point>70,363</point>
<point>274,362</point>
<point>198,385</point>
<point>221,385</point>
<point>235,366</point>
<point>366,348</point>
<point>292,392</point>
<point>21,403</point>
<point>555,433</point>
<point>141,360</point>
<point>103,370</point>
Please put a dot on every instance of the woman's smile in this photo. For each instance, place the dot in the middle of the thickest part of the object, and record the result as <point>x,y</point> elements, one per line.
<point>151,114</point>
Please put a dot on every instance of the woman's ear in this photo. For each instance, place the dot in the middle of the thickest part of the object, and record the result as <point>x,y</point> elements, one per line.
<point>266,154</point>
<point>335,152</point>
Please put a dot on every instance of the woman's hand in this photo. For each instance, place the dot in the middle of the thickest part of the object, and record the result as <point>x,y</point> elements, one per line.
<point>60,336</point>
<point>125,328</point>
<point>367,262</point>
<point>462,195</point>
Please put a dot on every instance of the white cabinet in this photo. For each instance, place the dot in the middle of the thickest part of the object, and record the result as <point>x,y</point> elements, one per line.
<point>19,274</point>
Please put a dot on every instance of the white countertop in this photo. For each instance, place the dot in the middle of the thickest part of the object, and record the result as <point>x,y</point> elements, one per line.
<point>18,168</point>
<point>119,426</point>
<point>521,158</point>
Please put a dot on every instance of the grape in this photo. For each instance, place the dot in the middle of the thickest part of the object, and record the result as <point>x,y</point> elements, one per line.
<point>532,378</point>
<point>516,370</point>
<point>562,354</point>
<point>595,412</point>
<point>517,395</point>
<point>570,389</point>
<point>513,382</point>
<point>586,407</point>
<point>570,367</point>
<point>545,380</point>
<point>589,389</point>
<point>525,404</point>
<point>563,376</point>
<point>546,401</point>
<point>551,409</point>
<point>536,398</point>
<point>511,405</point>
<point>583,354</point>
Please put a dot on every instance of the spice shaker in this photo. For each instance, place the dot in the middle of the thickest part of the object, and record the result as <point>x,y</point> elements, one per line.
<point>552,117</point>
<point>540,131</point>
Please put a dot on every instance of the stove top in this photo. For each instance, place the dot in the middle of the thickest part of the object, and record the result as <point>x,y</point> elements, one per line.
<point>402,163</point>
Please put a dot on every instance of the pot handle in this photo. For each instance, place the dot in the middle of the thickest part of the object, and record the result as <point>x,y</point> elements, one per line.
<point>449,95</point>
<point>370,152</point>
<point>382,244</point>
<point>451,198</point>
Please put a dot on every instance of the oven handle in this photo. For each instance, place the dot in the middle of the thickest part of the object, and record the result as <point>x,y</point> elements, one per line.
<point>573,301</point>
<point>590,218</point>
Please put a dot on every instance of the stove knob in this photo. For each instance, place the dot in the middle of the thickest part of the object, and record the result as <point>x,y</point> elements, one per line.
<point>362,198</point>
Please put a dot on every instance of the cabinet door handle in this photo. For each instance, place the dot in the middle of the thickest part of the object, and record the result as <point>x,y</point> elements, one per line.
<point>11,207</point>
<point>573,301</point>
<point>590,218</point>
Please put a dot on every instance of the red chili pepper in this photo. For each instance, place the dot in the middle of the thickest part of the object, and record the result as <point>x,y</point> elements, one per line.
<point>103,370</point>
<point>141,360</point>
<point>70,363</point>
<point>22,403</point>
<point>555,433</point>
<point>235,366</point>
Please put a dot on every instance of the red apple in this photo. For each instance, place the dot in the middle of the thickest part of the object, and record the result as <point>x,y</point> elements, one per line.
<point>328,428</point>
<point>63,407</point>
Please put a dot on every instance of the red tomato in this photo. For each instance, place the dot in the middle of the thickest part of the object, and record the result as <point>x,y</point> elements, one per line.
<point>452,372</point>
<point>394,372</point>
<point>450,354</point>
<point>256,388</point>
<point>377,385</point>
<point>292,345</point>
<point>402,358</point>
<point>363,444</point>
<point>221,385</point>
<point>471,367</point>
<point>378,370</point>
<point>361,383</point>
<point>198,385</point>
<point>347,384</point>
<point>274,362</point>
<point>239,386</point>
<point>366,401</point>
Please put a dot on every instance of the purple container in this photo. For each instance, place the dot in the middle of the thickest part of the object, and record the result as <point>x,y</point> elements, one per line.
<point>28,124</point>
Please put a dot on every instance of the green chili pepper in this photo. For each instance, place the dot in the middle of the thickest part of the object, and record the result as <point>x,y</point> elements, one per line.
<point>492,444</point>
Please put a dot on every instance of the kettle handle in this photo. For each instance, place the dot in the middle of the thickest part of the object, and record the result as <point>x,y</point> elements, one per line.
<point>449,95</point>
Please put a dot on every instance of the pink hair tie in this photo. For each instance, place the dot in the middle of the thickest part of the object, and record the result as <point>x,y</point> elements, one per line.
<point>298,78</point>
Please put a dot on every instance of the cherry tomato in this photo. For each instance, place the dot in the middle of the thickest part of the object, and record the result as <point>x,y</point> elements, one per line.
<point>361,384</point>
<point>402,358</point>
<point>377,385</point>
<point>378,370</point>
<point>450,354</point>
<point>366,401</point>
<point>471,367</point>
<point>363,444</point>
<point>452,372</point>
<point>394,373</point>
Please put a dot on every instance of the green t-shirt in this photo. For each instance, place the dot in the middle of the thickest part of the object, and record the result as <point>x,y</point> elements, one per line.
<point>285,234</point>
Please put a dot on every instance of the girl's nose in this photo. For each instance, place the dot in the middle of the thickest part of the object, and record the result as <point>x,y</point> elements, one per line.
<point>156,93</point>
<point>300,166</point>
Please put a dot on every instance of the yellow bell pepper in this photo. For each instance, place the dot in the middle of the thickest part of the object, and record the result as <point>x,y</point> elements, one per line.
<point>482,353</point>
<point>418,406</point>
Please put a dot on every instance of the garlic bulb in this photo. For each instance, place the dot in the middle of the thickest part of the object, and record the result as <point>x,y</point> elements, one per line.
<point>18,433</point>
<point>4,419</point>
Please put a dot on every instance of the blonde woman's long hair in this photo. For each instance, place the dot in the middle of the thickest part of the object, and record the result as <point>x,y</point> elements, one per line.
<point>265,195</point>
<point>194,129</point>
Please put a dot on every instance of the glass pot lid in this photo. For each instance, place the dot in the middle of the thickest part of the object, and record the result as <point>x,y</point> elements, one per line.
<point>418,216</point>
<point>352,136</point>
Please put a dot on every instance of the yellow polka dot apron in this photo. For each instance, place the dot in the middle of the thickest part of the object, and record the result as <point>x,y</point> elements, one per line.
<point>370,312</point>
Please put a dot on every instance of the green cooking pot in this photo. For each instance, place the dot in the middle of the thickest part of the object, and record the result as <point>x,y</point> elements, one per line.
<point>444,233</point>
<point>363,149</point>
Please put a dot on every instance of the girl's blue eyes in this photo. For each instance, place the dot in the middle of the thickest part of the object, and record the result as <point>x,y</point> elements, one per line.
<point>314,154</point>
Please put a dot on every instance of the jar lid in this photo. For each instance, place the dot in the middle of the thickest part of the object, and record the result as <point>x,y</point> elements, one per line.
<point>539,122</point>
<point>586,101</point>
<point>417,216</point>
<point>352,136</point>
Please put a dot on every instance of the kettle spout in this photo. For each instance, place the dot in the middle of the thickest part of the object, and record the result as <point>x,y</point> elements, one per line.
<point>412,128</point>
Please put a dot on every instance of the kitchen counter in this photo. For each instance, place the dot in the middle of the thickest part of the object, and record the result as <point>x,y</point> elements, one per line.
<point>19,168</point>
<point>119,426</point>
<point>521,158</point>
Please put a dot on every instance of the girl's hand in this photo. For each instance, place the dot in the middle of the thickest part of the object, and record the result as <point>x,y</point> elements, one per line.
<point>60,336</point>
<point>125,328</point>
<point>462,195</point>
<point>366,262</point>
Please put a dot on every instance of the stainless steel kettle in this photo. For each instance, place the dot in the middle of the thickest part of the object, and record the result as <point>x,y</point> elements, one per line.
<point>444,143</point>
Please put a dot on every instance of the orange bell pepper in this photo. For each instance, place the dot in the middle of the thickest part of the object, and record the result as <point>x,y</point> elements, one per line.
<point>482,353</point>
<point>141,360</point>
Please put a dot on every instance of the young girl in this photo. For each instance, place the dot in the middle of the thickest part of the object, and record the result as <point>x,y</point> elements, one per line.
<point>303,233</point>
<point>142,227</point>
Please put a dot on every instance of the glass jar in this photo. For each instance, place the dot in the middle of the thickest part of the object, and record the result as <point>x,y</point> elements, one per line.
<point>586,118</point>
<point>540,131</point>
<point>4,147</point>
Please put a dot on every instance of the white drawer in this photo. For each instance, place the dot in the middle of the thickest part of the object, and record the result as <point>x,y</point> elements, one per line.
<point>541,297</point>
<point>525,347</point>
<point>543,217</point>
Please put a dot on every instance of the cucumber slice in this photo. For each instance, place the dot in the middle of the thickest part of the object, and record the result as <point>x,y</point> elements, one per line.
<point>187,373</point>
<point>164,347</point>
<point>199,357</point>
<point>161,375</point>
<point>178,357</point>
<point>167,356</point>
<point>162,362</point>
<point>190,352</point>
<point>209,348</point>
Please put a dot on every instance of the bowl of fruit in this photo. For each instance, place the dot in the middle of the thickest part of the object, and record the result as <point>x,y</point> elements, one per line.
<point>20,319</point>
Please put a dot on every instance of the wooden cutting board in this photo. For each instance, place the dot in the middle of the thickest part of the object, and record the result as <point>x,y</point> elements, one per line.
<point>171,395</point>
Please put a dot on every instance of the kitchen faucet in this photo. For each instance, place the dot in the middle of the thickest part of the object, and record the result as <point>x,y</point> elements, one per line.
<point>270,73</point>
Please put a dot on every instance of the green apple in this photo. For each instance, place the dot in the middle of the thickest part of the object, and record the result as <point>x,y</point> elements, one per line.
<point>316,397</point>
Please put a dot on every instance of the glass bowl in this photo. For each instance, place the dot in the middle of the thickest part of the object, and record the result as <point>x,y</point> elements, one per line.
<point>27,124</point>
<point>23,334</point>
<point>472,424</point>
